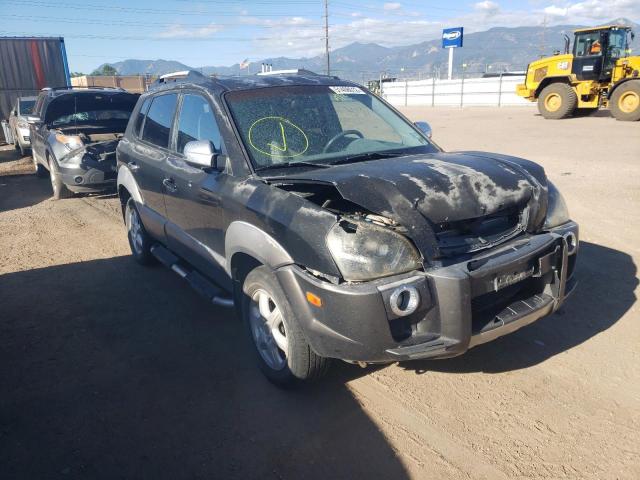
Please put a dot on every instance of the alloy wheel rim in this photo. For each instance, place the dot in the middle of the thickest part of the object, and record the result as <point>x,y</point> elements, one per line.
<point>52,176</point>
<point>268,329</point>
<point>135,229</point>
<point>629,102</point>
<point>553,102</point>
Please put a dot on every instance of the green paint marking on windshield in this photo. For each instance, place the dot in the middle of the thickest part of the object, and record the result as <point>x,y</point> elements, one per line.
<point>284,141</point>
<point>289,134</point>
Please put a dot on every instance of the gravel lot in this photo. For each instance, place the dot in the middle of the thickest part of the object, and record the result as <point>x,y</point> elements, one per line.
<point>110,370</point>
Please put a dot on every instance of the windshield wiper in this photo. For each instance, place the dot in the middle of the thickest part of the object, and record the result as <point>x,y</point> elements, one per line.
<point>363,157</point>
<point>275,166</point>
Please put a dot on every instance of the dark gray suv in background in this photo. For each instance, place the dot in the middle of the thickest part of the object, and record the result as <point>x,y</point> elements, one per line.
<point>335,225</point>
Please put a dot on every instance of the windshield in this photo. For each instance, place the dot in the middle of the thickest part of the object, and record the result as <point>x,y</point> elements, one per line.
<point>85,108</point>
<point>319,125</point>
<point>26,107</point>
<point>92,117</point>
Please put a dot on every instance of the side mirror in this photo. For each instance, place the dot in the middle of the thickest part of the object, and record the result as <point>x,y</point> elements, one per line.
<point>425,128</point>
<point>14,113</point>
<point>200,153</point>
<point>34,120</point>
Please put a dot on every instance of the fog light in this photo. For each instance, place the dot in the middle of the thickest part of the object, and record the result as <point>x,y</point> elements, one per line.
<point>572,243</point>
<point>78,179</point>
<point>404,301</point>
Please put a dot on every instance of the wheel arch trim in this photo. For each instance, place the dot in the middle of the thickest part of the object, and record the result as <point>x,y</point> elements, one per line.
<point>549,80</point>
<point>243,237</point>
<point>127,181</point>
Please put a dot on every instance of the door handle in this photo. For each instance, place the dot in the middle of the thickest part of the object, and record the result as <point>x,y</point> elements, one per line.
<point>133,166</point>
<point>170,185</point>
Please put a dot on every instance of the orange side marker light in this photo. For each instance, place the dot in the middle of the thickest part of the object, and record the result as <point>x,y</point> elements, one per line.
<point>314,300</point>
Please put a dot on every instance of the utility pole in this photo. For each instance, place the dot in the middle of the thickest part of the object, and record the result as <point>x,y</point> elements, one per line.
<point>543,42</point>
<point>326,34</point>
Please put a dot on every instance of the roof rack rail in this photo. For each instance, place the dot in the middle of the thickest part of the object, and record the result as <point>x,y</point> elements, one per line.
<point>81,87</point>
<point>181,76</point>
<point>294,71</point>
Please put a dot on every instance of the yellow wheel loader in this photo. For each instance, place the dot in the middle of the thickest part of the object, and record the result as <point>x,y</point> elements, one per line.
<point>599,73</point>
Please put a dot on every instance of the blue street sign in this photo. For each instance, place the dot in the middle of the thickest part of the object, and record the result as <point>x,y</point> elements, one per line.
<point>452,37</point>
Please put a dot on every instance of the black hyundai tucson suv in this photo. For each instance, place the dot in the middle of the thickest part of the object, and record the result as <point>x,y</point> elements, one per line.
<point>335,225</point>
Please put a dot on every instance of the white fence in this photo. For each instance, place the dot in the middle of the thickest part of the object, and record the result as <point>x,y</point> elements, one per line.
<point>495,91</point>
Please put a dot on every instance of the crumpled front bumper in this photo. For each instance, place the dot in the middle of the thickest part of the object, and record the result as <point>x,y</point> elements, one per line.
<point>461,305</point>
<point>89,177</point>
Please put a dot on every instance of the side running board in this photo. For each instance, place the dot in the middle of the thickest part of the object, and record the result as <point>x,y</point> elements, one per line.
<point>198,282</point>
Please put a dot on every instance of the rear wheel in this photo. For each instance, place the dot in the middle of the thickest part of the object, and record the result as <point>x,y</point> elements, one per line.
<point>60,190</point>
<point>139,240</point>
<point>625,102</point>
<point>282,352</point>
<point>557,100</point>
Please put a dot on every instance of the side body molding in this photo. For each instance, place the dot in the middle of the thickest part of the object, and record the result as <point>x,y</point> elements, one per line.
<point>246,238</point>
<point>125,178</point>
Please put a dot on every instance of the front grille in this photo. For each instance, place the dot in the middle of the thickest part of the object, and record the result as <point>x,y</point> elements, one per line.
<point>466,236</point>
<point>485,309</point>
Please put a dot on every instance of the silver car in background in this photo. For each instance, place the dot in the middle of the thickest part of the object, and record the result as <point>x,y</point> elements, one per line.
<point>19,125</point>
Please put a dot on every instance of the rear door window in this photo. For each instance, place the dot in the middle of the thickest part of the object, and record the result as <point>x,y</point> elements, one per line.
<point>196,122</point>
<point>157,126</point>
<point>140,117</point>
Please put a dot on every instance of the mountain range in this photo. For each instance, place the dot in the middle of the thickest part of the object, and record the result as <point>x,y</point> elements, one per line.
<point>496,49</point>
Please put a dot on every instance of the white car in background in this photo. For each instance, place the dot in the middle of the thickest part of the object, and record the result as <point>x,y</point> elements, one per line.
<point>18,123</point>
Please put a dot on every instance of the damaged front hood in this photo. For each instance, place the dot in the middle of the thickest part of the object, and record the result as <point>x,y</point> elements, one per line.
<point>419,191</point>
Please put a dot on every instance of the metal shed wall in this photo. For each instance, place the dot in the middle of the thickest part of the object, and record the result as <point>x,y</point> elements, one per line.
<point>27,65</point>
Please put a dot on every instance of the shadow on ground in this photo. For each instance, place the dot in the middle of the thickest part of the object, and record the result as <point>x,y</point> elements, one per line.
<point>111,370</point>
<point>607,280</point>
<point>21,191</point>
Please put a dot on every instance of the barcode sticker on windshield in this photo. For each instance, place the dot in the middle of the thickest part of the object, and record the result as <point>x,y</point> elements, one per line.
<point>347,90</point>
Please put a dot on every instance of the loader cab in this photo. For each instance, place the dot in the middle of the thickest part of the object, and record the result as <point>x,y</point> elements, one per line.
<point>596,50</point>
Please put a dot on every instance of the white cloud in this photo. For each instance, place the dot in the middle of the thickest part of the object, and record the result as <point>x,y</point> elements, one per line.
<point>303,37</point>
<point>180,31</point>
<point>487,7</point>
<point>593,10</point>
<point>392,6</point>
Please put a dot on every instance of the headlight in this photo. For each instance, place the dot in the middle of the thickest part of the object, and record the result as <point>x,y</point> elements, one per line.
<point>363,251</point>
<point>70,141</point>
<point>557,211</point>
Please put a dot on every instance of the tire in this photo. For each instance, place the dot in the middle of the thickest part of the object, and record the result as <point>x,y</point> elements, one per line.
<point>557,101</point>
<point>263,298</point>
<point>625,102</point>
<point>41,172</point>
<point>60,190</point>
<point>140,241</point>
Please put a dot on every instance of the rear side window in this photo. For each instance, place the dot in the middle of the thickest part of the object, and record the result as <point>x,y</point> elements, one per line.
<point>197,122</point>
<point>140,117</point>
<point>157,127</point>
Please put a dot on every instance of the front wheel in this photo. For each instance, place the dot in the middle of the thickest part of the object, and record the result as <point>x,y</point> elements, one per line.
<point>282,352</point>
<point>41,172</point>
<point>557,100</point>
<point>625,102</point>
<point>60,190</point>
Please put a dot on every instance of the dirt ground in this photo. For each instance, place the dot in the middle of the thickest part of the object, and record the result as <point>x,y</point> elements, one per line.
<point>111,370</point>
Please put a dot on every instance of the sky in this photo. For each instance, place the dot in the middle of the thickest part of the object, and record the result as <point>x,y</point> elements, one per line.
<point>225,32</point>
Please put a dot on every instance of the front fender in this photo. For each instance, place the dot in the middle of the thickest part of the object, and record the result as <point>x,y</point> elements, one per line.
<point>242,237</point>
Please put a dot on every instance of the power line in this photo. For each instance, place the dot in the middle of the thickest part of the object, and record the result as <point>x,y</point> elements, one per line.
<point>154,24</point>
<point>326,34</point>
